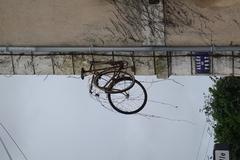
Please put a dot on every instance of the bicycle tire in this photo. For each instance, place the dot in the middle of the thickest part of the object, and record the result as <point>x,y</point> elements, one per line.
<point>135,110</point>
<point>114,79</point>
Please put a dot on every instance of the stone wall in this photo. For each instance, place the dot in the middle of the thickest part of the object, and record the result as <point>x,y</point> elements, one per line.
<point>153,63</point>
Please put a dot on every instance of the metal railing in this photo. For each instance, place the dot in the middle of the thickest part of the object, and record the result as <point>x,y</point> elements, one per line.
<point>93,49</point>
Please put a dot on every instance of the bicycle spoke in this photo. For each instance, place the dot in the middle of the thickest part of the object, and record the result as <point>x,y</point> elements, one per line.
<point>105,81</point>
<point>131,101</point>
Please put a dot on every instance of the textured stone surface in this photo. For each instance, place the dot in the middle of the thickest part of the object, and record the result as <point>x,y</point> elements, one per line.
<point>23,65</point>
<point>237,64</point>
<point>6,67</point>
<point>43,65</point>
<point>63,64</point>
<point>223,65</point>
<point>181,65</point>
<point>162,68</point>
<point>81,61</point>
<point>162,64</point>
<point>144,65</point>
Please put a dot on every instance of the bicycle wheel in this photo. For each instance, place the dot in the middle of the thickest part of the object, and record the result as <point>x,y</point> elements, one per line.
<point>106,79</point>
<point>130,101</point>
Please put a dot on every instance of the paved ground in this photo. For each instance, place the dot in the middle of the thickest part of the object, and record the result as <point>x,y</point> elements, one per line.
<point>80,22</point>
<point>202,22</point>
<point>215,3</point>
<point>52,22</point>
<point>99,22</point>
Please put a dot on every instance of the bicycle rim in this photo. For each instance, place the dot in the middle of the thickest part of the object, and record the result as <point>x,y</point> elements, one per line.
<point>106,79</point>
<point>130,101</point>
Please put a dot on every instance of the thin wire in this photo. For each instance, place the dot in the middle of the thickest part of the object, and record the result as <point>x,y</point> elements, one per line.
<point>157,81</point>
<point>207,148</point>
<point>5,147</point>
<point>164,103</point>
<point>166,118</point>
<point>5,129</point>
<point>201,141</point>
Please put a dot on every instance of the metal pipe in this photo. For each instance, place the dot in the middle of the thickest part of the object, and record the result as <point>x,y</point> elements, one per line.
<point>229,48</point>
<point>3,49</point>
<point>92,49</point>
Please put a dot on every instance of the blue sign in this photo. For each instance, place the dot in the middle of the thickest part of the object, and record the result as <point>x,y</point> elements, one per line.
<point>202,62</point>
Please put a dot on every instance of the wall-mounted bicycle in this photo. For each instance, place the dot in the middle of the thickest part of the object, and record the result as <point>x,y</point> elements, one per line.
<point>125,94</point>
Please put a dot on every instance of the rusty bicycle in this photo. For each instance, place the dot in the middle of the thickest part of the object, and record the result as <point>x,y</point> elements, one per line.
<point>106,73</point>
<point>124,93</point>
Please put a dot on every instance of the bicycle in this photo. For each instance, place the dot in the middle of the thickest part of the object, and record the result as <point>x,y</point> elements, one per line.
<point>124,93</point>
<point>104,78</point>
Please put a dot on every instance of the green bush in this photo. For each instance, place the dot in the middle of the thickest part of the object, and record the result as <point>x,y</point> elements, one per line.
<point>223,105</point>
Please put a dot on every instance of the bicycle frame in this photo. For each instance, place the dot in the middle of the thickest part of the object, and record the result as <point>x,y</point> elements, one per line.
<point>119,65</point>
<point>116,82</point>
<point>115,66</point>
